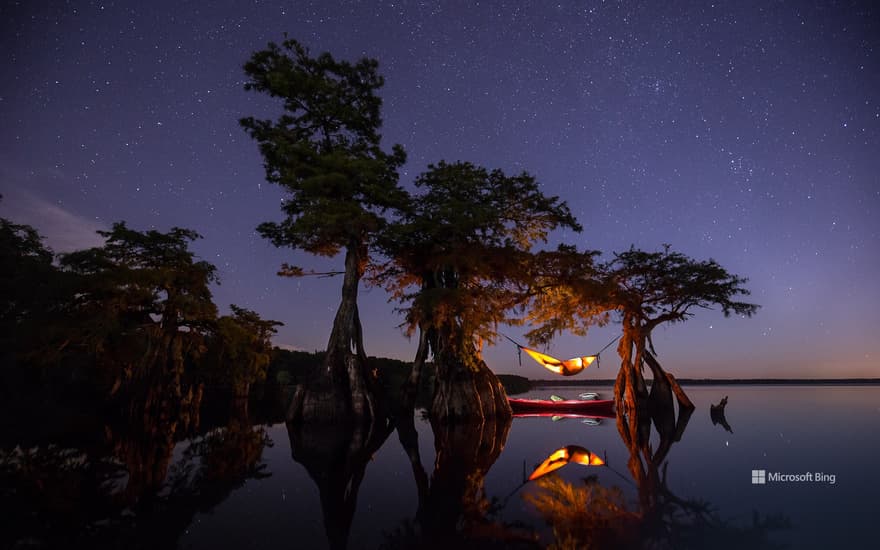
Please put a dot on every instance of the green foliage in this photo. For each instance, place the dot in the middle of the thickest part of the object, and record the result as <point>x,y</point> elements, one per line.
<point>665,286</point>
<point>135,306</point>
<point>324,149</point>
<point>461,256</point>
<point>240,349</point>
<point>649,288</point>
<point>568,293</point>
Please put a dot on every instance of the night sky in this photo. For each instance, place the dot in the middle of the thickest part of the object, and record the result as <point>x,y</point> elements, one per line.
<point>748,132</point>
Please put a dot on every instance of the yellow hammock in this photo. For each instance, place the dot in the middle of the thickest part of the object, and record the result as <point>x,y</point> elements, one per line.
<point>569,367</point>
<point>565,368</point>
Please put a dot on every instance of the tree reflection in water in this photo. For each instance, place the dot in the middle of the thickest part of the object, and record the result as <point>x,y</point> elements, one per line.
<point>127,494</point>
<point>140,496</point>
<point>454,509</point>
<point>336,458</point>
<point>595,516</point>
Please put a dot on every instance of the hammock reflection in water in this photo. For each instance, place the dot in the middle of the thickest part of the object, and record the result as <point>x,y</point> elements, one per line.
<point>566,455</point>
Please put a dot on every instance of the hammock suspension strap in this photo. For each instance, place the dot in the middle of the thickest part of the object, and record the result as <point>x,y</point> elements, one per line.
<point>520,347</point>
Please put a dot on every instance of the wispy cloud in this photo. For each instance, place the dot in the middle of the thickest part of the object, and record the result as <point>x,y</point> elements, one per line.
<point>290,347</point>
<point>63,230</point>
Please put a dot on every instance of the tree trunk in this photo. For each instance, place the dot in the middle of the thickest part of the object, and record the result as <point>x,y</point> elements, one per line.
<point>465,389</point>
<point>665,384</point>
<point>343,390</point>
<point>683,400</point>
<point>410,387</point>
<point>660,403</point>
<point>630,390</point>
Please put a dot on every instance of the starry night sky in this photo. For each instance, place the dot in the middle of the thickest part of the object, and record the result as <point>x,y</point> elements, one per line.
<point>748,132</point>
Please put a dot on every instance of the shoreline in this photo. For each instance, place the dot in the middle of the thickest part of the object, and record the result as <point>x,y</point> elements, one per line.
<point>727,382</point>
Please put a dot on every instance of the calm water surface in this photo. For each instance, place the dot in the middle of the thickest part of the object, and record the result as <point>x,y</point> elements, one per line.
<point>829,430</point>
<point>787,429</point>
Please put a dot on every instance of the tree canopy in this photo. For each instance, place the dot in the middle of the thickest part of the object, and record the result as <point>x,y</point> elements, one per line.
<point>666,286</point>
<point>26,280</point>
<point>642,290</point>
<point>240,349</point>
<point>141,301</point>
<point>324,150</point>
<point>650,288</point>
<point>461,253</point>
<point>460,260</point>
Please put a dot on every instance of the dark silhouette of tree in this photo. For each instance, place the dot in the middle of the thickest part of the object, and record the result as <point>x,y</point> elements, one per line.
<point>29,287</point>
<point>137,316</point>
<point>324,150</point>
<point>239,350</point>
<point>460,260</point>
<point>26,261</point>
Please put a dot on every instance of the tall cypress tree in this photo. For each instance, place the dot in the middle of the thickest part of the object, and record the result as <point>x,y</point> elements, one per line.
<point>324,151</point>
<point>462,262</point>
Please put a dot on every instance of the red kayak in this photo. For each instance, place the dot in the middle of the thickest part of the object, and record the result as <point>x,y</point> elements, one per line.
<point>546,407</point>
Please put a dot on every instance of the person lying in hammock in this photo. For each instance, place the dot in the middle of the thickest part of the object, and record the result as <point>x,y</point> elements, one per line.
<point>565,368</point>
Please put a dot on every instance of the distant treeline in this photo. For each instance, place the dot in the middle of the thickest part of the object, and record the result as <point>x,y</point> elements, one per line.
<point>289,368</point>
<point>725,382</point>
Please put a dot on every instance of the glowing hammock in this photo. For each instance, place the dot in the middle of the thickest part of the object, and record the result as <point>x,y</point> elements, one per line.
<point>565,368</point>
<point>569,367</point>
<point>566,455</point>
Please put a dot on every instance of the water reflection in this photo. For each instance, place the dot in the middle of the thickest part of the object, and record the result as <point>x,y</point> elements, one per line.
<point>128,492</point>
<point>336,459</point>
<point>716,414</point>
<point>570,454</point>
<point>453,507</point>
<point>597,516</point>
<point>154,478</point>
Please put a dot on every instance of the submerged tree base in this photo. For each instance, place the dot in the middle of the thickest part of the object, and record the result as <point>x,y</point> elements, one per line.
<point>463,394</point>
<point>329,397</point>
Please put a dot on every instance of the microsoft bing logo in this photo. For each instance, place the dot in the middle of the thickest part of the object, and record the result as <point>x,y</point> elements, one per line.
<point>759,477</point>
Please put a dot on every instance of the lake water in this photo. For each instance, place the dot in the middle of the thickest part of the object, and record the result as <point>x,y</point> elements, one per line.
<point>287,498</point>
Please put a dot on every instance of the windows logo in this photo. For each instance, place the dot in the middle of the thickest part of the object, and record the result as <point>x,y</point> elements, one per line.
<point>759,477</point>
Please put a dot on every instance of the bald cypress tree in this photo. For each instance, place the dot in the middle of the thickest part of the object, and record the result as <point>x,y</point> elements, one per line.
<point>642,290</point>
<point>649,289</point>
<point>324,151</point>
<point>461,263</point>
